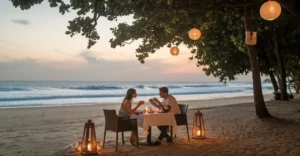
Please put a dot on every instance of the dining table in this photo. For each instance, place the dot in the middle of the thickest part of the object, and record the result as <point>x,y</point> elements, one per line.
<point>147,120</point>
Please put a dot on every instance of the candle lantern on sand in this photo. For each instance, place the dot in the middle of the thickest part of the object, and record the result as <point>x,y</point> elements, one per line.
<point>89,145</point>
<point>198,126</point>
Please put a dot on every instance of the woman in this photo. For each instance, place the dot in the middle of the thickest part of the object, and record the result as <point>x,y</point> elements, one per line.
<point>126,111</point>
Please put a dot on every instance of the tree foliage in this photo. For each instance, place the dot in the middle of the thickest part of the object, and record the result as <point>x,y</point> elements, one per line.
<point>158,23</point>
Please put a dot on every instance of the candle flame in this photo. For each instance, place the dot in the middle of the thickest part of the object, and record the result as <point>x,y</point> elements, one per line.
<point>89,147</point>
<point>98,147</point>
<point>198,133</point>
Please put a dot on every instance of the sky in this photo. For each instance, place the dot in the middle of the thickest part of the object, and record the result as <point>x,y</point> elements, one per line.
<point>33,46</point>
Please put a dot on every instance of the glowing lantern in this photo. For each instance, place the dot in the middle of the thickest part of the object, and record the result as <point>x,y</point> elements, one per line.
<point>174,51</point>
<point>194,34</point>
<point>88,145</point>
<point>198,126</point>
<point>251,39</point>
<point>270,10</point>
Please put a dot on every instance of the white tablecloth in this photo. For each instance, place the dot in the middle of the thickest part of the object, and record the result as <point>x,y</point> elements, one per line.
<point>156,119</point>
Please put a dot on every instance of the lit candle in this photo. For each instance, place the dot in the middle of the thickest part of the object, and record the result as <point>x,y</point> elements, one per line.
<point>79,146</point>
<point>147,109</point>
<point>89,147</point>
<point>198,133</point>
<point>98,146</point>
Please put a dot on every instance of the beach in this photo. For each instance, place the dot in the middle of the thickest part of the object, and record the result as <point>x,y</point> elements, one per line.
<point>231,129</point>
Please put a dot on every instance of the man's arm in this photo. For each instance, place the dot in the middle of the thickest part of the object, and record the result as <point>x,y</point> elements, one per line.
<point>156,104</point>
<point>157,101</point>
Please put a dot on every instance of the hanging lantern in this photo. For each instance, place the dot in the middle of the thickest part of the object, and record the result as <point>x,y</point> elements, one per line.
<point>198,126</point>
<point>88,145</point>
<point>194,34</point>
<point>174,51</point>
<point>270,10</point>
<point>251,39</point>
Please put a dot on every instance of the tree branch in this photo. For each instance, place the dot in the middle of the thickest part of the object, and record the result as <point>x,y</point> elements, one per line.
<point>290,6</point>
<point>95,18</point>
<point>128,42</point>
<point>270,44</point>
<point>219,5</point>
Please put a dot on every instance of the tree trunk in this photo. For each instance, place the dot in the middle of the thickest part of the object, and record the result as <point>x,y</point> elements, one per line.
<point>281,69</point>
<point>260,106</point>
<point>268,64</point>
<point>297,86</point>
<point>279,80</point>
<point>273,80</point>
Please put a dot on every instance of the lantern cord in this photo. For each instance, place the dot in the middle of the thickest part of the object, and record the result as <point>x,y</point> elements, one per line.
<point>253,23</point>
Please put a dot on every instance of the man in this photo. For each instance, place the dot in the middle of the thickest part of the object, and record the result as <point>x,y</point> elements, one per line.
<point>168,100</point>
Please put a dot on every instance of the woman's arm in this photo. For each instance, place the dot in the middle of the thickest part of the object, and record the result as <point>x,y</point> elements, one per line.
<point>128,106</point>
<point>134,109</point>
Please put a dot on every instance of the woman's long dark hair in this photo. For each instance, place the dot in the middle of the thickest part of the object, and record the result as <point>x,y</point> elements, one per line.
<point>129,95</point>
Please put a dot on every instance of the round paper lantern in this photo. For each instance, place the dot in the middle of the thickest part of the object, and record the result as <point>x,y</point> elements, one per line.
<point>270,10</point>
<point>194,34</point>
<point>174,51</point>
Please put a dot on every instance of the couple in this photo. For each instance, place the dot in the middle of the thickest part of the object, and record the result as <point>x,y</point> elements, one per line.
<point>168,100</point>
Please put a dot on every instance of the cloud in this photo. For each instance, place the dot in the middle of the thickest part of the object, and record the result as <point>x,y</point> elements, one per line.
<point>21,21</point>
<point>90,57</point>
<point>90,67</point>
<point>64,53</point>
<point>95,70</point>
<point>8,42</point>
<point>4,58</point>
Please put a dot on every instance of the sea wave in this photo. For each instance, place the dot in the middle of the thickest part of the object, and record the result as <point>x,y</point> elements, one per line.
<point>10,89</point>
<point>205,85</point>
<point>112,95</point>
<point>263,87</point>
<point>103,87</point>
<point>146,86</point>
<point>174,86</point>
<point>141,86</point>
<point>181,86</point>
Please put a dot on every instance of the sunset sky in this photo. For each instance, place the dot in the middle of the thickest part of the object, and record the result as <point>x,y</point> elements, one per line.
<point>33,46</point>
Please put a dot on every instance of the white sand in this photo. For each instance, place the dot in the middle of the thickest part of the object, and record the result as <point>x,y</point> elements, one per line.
<point>231,130</point>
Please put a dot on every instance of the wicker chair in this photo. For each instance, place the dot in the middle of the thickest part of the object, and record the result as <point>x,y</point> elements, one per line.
<point>115,124</point>
<point>181,119</point>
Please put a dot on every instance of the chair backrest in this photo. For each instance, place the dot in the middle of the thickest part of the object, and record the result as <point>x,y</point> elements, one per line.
<point>111,119</point>
<point>183,108</point>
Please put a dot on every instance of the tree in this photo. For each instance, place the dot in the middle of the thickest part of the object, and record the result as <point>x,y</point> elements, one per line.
<point>158,23</point>
<point>278,37</point>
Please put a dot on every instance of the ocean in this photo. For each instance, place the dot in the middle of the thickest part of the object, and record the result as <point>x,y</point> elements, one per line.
<point>15,94</point>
